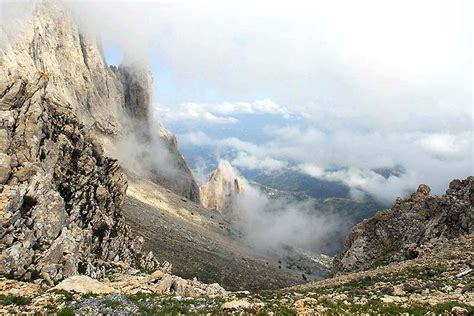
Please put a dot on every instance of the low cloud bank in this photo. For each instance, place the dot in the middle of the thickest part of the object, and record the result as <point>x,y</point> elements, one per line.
<point>276,225</point>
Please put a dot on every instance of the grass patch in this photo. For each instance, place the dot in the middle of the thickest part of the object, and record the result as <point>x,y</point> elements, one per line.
<point>66,311</point>
<point>13,300</point>
<point>111,304</point>
<point>67,296</point>
<point>89,295</point>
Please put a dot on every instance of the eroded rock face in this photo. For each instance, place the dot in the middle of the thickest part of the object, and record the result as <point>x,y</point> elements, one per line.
<point>50,42</point>
<point>60,204</point>
<point>395,234</point>
<point>114,101</point>
<point>222,187</point>
<point>182,181</point>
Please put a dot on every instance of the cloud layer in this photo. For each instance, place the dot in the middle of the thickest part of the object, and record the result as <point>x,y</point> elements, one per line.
<point>381,85</point>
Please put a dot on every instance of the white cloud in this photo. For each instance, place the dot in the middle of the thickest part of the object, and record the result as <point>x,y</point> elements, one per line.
<point>266,106</point>
<point>356,159</point>
<point>247,161</point>
<point>380,88</point>
<point>218,112</point>
<point>193,111</point>
<point>443,144</point>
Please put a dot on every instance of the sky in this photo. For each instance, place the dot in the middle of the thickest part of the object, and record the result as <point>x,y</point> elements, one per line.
<point>336,90</point>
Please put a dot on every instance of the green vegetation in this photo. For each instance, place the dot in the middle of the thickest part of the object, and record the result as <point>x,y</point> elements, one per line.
<point>90,295</point>
<point>13,300</point>
<point>66,311</point>
<point>111,303</point>
<point>67,296</point>
<point>81,267</point>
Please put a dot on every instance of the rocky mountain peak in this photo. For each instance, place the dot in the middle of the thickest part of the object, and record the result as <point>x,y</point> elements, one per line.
<point>222,187</point>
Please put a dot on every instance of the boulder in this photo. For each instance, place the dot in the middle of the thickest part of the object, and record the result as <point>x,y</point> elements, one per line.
<point>236,305</point>
<point>82,284</point>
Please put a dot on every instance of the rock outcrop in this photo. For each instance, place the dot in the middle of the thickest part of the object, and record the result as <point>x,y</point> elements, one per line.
<point>181,181</point>
<point>60,202</point>
<point>396,234</point>
<point>222,188</point>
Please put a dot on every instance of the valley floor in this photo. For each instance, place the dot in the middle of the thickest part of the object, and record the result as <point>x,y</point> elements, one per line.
<point>438,282</point>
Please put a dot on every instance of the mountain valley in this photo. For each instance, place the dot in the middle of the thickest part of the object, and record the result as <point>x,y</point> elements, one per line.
<point>101,214</point>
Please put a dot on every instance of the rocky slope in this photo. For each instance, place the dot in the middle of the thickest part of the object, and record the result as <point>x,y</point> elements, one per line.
<point>61,197</point>
<point>435,283</point>
<point>397,233</point>
<point>200,242</point>
<point>222,187</point>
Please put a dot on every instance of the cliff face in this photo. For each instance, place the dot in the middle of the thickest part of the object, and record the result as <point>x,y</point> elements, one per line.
<point>51,43</point>
<point>396,234</point>
<point>60,195</point>
<point>115,102</point>
<point>222,187</point>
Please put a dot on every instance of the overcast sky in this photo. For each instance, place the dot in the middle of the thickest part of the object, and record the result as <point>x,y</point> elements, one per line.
<point>379,84</point>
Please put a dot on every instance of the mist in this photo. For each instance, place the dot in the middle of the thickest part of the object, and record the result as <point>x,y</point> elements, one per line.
<point>277,224</point>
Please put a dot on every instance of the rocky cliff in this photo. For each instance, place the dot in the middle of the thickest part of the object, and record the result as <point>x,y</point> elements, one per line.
<point>115,102</point>
<point>222,187</point>
<point>397,233</point>
<point>61,196</point>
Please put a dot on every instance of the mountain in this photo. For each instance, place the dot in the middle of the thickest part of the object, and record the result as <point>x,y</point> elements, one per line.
<point>60,195</point>
<point>222,187</point>
<point>88,179</point>
<point>113,102</point>
<point>294,181</point>
<point>100,213</point>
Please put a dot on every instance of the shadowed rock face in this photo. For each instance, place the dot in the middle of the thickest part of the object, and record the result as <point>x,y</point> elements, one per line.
<point>60,204</point>
<point>396,234</point>
<point>137,82</point>
<point>222,187</point>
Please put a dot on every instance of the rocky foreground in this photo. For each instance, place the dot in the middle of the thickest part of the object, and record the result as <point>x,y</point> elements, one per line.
<point>439,281</point>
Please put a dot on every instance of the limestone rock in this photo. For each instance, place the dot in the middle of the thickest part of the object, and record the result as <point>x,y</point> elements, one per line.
<point>82,285</point>
<point>459,311</point>
<point>64,197</point>
<point>222,187</point>
<point>236,305</point>
<point>396,234</point>
<point>113,101</point>
<point>5,167</point>
<point>160,282</point>
<point>182,181</point>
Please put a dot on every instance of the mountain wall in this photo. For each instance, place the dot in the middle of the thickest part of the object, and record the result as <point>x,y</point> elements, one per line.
<point>113,102</point>
<point>397,233</point>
